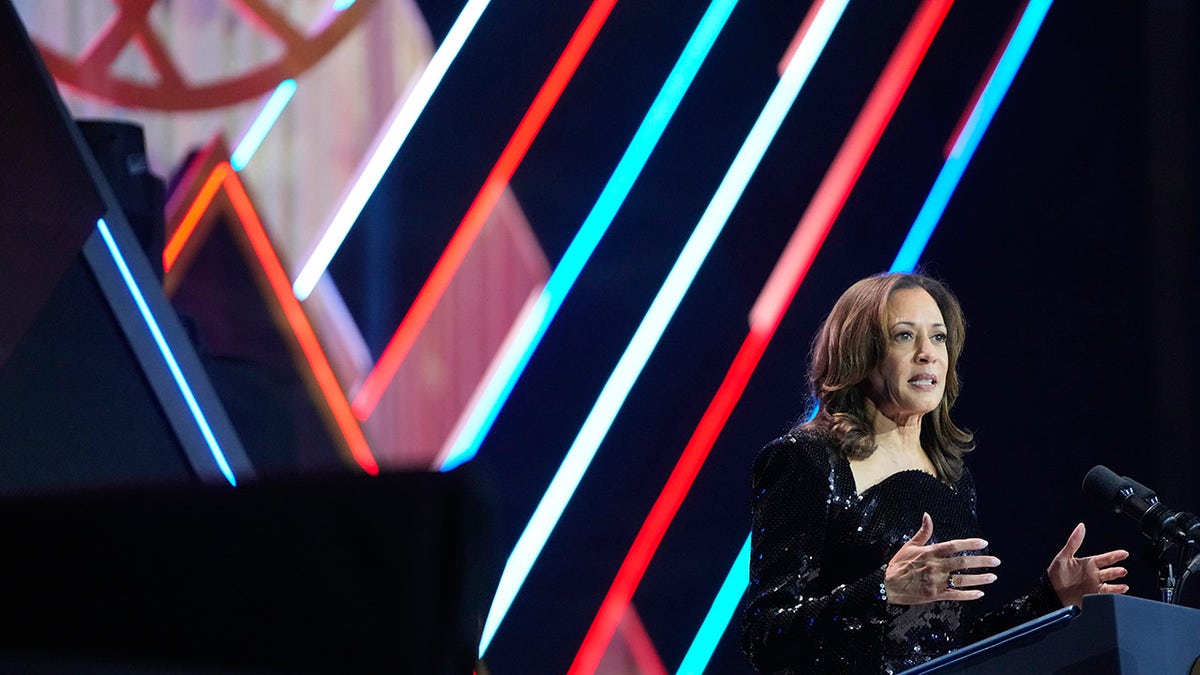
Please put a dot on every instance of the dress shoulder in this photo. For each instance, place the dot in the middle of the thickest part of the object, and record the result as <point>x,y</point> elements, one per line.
<point>801,450</point>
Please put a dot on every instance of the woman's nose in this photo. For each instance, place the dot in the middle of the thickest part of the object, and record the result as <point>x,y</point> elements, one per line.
<point>925,351</point>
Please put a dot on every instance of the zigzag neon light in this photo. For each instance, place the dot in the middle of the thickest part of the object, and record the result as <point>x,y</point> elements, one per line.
<point>262,124</point>
<point>386,148</point>
<point>168,356</point>
<point>310,346</point>
<point>678,280</point>
<point>706,639</point>
<point>595,225</point>
<point>222,176</point>
<point>493,186</point>
<point>479,420</point>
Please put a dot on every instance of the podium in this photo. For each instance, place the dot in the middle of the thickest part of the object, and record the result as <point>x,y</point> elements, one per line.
<point>1113,634</point>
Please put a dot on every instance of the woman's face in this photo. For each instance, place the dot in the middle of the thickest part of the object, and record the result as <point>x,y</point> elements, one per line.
<point>911,377</point>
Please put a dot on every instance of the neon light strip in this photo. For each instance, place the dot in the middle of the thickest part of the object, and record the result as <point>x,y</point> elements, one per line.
<point>678,280</point>
<point>444,270</point>
<point>842,174</point>
<point>262,124</point>
<point>715,634</point>
<point>386,149</point>
<point>465,443</point>
<point>705,642</point>
<point>168,356</point>
<point>294,313</point>
<point>192,218</point>
<point>964,148</point>
<point>818,218</point>
<point>646,543</point>
<point>223,176</point>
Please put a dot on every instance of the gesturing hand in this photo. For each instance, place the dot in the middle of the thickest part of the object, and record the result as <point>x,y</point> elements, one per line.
<point>918,573</point>
<point>1072,577</point>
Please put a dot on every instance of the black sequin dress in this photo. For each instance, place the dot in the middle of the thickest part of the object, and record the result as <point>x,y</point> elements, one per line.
<point>819,549</point>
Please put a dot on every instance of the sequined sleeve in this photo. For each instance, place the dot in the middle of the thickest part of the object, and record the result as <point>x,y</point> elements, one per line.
<point>788,619</point>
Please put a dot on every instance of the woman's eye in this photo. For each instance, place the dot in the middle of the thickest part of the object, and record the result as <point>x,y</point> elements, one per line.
<point>940,337</point>
<point>903,335</point>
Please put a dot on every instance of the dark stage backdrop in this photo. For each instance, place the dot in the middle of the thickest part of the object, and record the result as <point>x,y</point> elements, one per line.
<point>1069,241</point>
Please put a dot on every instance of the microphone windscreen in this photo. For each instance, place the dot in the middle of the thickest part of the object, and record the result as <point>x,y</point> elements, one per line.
<point>1103,484</point>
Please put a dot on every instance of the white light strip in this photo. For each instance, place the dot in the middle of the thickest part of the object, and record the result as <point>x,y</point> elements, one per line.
<point>385,150</point>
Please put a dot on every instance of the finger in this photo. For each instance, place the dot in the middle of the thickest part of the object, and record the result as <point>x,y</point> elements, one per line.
<point>968,562</point>
<point>1110,573</point>
<point>1118,589</point>
<point>1110,558</point>
<point>1073,542</point>
<point>956,546</point>
<point>924,533</point>
<point>961,595</point>
<point>969,580</point>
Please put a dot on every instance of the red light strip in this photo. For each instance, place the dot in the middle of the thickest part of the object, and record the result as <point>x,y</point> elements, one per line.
<point>847,165</point>
<point>768,311</point>
<point>447,265</point>
<point>192,218</point>
<point>281,285</point>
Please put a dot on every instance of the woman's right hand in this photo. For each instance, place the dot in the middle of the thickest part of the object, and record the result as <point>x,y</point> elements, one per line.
<point>920,573</point>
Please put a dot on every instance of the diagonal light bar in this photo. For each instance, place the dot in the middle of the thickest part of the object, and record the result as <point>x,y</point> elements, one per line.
<point>191,219</point>
<point>968,140</point>
<point>483,412</point>
<point>386,149</point>
<point>165,349</point>
<point>477,214</point>
<point>293,313</point>
<point>793,265</point>
<point>843,173</point>
<point>580,455</point>
<point>723,607</point>
<point>559,284</point>
<point>708,638</point>
<point>262,124</point>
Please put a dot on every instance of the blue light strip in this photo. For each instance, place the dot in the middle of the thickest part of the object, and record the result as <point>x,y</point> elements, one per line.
<point>165,349</point>
<point>387,149</point>
<point>662,309</point>
<point>968,139</point>
<point>698,655</point>
<point>517,353</point>
<point>340,5</point>
<point>906,259</point>
<point>262,124</point>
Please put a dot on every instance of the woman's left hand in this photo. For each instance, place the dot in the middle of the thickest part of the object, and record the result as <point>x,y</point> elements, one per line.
<point>1073,577</point>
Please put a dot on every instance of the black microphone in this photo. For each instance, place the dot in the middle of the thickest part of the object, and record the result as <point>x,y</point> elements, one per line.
<point>1139,502</point>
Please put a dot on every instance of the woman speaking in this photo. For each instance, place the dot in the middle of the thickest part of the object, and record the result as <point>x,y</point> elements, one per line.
<point>866,553</point>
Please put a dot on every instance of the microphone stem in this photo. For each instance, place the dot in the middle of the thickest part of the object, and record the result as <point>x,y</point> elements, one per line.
<point>1166,582</point>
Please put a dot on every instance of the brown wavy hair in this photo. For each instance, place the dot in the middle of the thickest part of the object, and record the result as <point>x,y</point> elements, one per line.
<point>848,347</point>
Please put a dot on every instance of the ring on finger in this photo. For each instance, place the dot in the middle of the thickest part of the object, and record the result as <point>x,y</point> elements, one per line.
<point>950,581</point>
